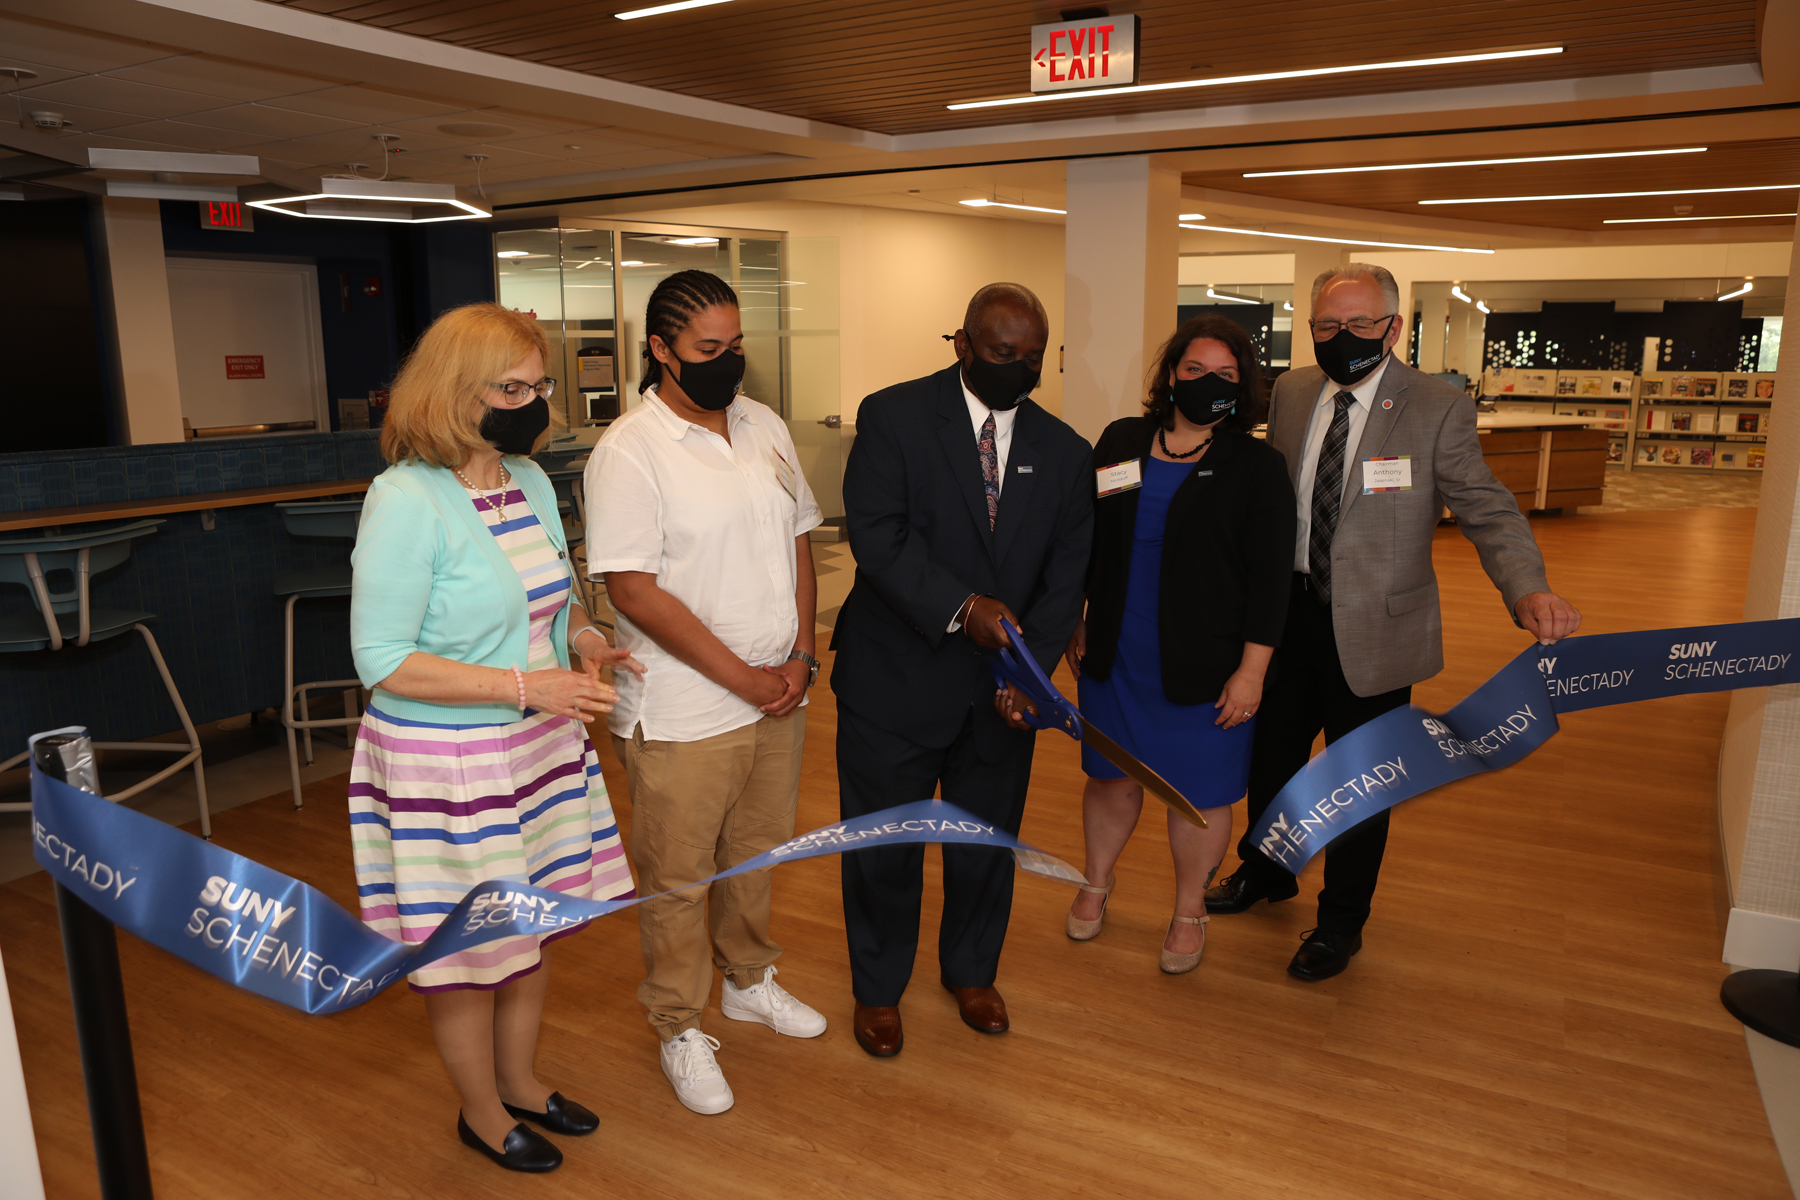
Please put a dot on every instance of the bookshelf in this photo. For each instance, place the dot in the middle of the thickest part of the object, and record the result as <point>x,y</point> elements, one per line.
<point>1702,420</point>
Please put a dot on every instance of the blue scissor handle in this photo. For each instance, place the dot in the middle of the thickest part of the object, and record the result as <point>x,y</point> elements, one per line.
<point>1017,667</point>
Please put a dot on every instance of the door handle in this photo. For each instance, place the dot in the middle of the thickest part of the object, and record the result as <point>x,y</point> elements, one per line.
<point>834,421</point>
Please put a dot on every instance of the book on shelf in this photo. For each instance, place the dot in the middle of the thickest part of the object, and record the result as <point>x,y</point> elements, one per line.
<point>1706,421</point>
<point>1725,459</point>
<point>1762,387</point>
<point>1748,422</point>
<point>1646,454</point>
<point>1615,450</point>
<point>1753,459</point>
<point>1681,422</point>
<point>1700,456</point>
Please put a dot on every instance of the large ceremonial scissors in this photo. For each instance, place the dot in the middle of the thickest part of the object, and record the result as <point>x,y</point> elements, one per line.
<point>1017,667</point>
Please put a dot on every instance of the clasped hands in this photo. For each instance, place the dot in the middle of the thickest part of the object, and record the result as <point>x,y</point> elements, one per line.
<point>580,694</point>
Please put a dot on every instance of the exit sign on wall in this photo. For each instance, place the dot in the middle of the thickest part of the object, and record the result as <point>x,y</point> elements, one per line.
<point>244,366</point>
<point>226,214</point>
<point>1094,52</point>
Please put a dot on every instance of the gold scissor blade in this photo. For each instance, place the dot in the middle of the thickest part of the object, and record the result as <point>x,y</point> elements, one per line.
<point>1153,783</point>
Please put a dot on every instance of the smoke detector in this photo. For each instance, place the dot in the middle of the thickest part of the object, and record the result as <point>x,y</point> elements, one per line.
<point>48,120</point>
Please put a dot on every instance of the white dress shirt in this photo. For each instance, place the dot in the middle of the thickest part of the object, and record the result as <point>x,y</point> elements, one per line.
<point>715,522</point>
<point>1323,409</point>
<point>1003,423</point>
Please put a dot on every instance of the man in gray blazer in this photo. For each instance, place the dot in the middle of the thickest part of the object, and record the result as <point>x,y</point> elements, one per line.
<point>1376,450</point>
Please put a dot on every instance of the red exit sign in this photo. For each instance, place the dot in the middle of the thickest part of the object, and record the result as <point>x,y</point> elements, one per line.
<point>226,214</point>
<point>1094,52</point>
<point>244,366</point>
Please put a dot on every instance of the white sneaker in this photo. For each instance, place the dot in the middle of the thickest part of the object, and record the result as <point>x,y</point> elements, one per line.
<point>771,1004</point>
<point>688,1062</point>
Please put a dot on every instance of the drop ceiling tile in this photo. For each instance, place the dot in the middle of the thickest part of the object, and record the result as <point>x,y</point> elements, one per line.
<point>186,135</point>
<point>45,73</point>
<point>85,119</point>
<point>271,122</point>
<point>498,157</point>
<point>74,49</point>
<point>517,123</point>
<point>221,77</point>
<point>589,143</point>
<point>370,106</point>
<point>122,95</point>
<point>641,158</point>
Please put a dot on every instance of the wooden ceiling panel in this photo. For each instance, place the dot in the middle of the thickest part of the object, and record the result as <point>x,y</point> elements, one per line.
<point>1737,164</point>
<point>892,67</point>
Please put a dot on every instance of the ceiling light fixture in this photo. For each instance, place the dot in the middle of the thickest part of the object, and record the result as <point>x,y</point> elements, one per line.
<point>1764,187</point>
<point>632,262</point>
<point>1456,290</point>
<point>408,203</point>
<point>1232,296</point>
<point>512,254</point>
<point>1302,237</point>
<point>1474,162</point>
<point>660,9</point>
<point>1061,212</point>
<point>1482,305</point>
<point>1786,216</point>
<point>1287,306</point>
<point>1224,80</point>
<point>1741,291</point>
<point>1191,217</point>
<point>692,241</point>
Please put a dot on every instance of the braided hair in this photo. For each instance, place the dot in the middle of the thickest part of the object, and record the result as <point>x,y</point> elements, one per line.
<point>673,306</point>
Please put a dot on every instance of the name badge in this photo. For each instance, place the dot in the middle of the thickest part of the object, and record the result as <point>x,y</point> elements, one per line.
<point>784,474</point>
<point>1393,474</point>
<point>1120,477</point>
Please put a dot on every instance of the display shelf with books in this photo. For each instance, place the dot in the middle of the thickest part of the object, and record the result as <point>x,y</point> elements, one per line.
<point>1704,420</point>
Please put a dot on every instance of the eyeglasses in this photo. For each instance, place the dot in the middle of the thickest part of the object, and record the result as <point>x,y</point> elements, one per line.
<point>1324,331</point>
<point>518,391</point>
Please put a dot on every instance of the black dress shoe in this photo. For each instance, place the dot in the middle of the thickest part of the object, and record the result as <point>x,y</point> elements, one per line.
<point>522,1151</point>
<point>560,1115</point>
<point>1323,954</point>
<point>1238,891</point>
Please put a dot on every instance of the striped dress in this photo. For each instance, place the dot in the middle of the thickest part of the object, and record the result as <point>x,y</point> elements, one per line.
<point>436,809</point>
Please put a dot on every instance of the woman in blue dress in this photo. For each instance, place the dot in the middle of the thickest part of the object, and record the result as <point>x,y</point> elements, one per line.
<point>1187,591</point>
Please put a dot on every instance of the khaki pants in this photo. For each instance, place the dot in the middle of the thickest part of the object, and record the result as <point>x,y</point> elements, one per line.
<point>698,808</point>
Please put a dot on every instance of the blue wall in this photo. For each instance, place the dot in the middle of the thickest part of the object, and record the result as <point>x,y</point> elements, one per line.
<point>421,271</point>
<point>217,619</point>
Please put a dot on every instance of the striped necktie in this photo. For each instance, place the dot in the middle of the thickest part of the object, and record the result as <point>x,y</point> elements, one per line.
<point>1328,495</point>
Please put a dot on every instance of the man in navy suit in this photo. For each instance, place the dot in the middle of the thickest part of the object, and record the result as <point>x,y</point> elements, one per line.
<point>966,503</point>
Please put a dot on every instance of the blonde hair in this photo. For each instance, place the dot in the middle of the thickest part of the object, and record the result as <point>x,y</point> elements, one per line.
<point>434,409</point>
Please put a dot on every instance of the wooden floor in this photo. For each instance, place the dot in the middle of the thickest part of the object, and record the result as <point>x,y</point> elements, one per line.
<point>1534,1013</point>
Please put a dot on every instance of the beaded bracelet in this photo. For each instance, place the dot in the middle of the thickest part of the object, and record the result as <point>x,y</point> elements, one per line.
<point>519,678</point>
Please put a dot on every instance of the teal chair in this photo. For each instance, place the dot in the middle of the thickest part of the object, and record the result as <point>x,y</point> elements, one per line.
<point>55,571</point>
<point>321,519</point>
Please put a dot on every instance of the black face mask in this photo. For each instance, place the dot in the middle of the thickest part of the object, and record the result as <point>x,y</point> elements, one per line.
<point>713,383</point>
<point>1000,386</point>
<point>515,430</point>
<point>1348,359</point>
<point>1209,398</point>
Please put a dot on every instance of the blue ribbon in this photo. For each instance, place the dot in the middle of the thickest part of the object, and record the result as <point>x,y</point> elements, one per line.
<point>271,934</point>
<point>1403,753</point>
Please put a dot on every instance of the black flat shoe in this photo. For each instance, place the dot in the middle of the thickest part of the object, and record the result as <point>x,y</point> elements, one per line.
<point>560,1115</point>
<point>1323,954</point>
<point>523,1151</point>
<point>1237,892</point>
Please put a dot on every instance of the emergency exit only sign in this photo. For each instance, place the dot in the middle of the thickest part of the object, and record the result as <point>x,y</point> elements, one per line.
<point>1092,52</point>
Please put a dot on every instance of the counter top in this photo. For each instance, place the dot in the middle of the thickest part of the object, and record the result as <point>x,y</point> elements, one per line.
<point>82,514</point>
<point>1520,420</point>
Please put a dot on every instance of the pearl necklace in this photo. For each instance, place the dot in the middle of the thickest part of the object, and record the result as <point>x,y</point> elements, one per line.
<point>505,482</point>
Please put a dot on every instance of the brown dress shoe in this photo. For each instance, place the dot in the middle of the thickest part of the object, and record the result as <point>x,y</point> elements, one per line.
<point>982,1008</point>
<point>878,1029</point>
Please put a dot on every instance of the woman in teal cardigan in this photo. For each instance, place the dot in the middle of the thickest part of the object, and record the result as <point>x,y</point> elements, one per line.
<point>473,761</point>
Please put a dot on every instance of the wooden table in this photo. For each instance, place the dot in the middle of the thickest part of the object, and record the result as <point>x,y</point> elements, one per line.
<point>82,514</point>
<point>1548,463</point>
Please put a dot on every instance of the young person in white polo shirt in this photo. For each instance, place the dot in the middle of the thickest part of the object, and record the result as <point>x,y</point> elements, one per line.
<point>701,516</point>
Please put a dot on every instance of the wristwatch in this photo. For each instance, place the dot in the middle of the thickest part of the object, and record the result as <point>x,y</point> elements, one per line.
<point>812,665</point>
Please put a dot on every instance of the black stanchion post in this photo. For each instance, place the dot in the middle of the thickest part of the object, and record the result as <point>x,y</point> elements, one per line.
<point>97,992</point>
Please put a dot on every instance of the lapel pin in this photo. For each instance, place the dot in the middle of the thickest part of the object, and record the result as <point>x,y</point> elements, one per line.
<point>1387,404</point>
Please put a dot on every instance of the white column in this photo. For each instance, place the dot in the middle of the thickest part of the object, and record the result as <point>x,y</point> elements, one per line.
<point>1434,310</point>
<point>136,280</point>
<point>19,1175</point>
<point>1759,761</point>
<point>1120,263</point>
<point>1311,259</point>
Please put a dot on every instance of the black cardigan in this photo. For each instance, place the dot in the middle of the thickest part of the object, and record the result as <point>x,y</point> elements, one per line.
<point>1228,560</point>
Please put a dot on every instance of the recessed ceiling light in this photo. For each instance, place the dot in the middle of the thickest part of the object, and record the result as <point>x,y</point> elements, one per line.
<point>1473,162</point>
<point>1191,217</point>
<point>1748,285</point>
<point>1232,296</point>
<point>632,262</point>
<point>1783,216</point>
<point>1456,290</point>
<point>1061,212</point>
<point>1223,80</point>
<point>1301,237</point>
<point>1763,187</point>
<point>1482,305</point>
<point>512,254</point>
<point>660,9</point>
<point>692,241</point>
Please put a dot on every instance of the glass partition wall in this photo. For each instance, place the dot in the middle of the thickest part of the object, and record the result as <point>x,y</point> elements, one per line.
<point>590,303</point>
